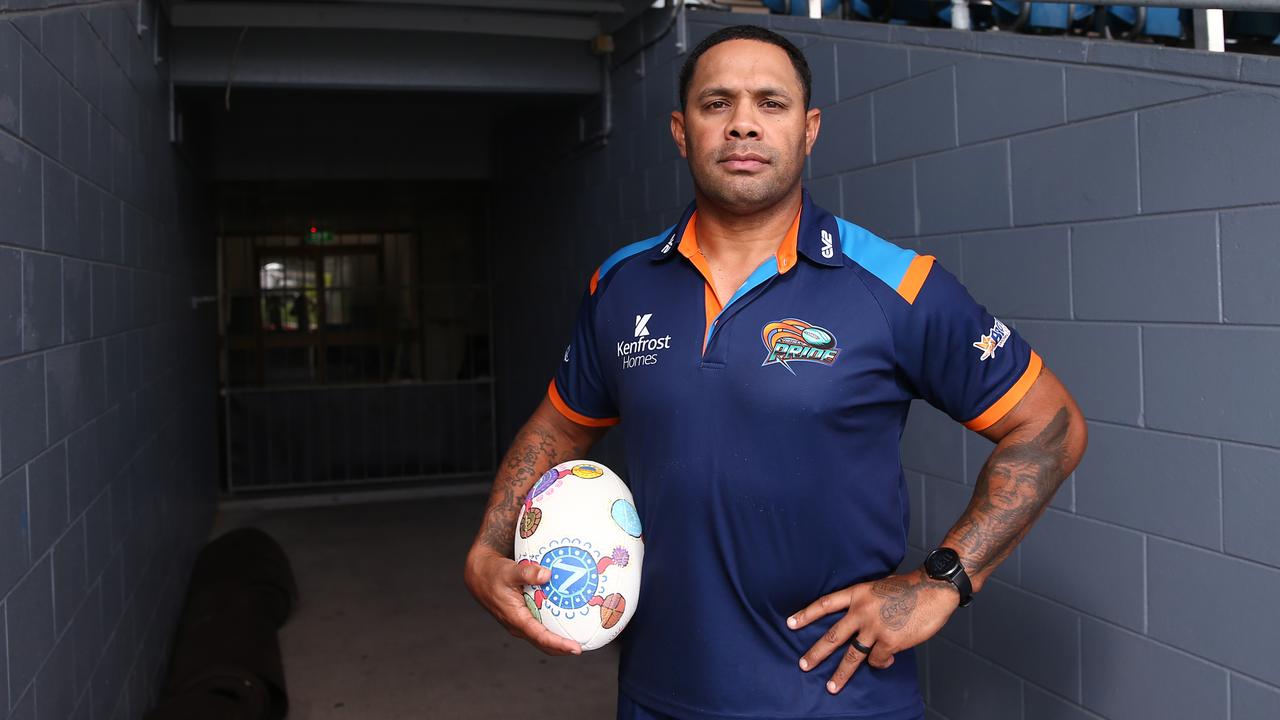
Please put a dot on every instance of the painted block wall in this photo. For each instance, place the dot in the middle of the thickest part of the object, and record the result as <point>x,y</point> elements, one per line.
<point>1118,204</point>
<point>108,465</point>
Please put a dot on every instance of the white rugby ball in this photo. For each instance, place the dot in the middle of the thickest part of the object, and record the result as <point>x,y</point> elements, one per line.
<point>580,521</point>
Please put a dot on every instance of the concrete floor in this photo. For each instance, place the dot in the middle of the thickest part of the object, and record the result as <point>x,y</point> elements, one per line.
<point>385,629</point>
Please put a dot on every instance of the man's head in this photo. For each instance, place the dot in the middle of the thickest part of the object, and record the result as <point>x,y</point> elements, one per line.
<point>744,123</point>
<point>746,32</point>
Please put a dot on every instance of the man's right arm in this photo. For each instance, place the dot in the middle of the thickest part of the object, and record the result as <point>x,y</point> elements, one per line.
<point>547,438</point>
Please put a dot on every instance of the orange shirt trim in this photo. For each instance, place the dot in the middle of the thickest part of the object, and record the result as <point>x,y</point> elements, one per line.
<point>559,404</point>
<point>914,278</point>
<point>1011,398</point>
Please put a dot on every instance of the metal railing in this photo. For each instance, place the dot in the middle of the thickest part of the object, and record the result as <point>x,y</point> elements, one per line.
<point>316,438</point>
<point>375,369</point>
<point>1243,5</point>
<point>1207,21</point>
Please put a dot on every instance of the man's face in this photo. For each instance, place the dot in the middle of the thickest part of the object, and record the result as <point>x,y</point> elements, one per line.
<point>745,130</point>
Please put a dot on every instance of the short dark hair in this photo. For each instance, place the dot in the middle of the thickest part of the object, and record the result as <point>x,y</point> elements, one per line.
<point>746,32</point>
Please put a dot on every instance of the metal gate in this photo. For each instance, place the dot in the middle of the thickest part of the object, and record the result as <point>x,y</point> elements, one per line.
<point>299,438</point>
<point>350,359</point>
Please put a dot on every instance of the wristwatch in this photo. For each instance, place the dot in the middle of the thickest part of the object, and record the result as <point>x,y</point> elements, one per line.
<point>944,564</point>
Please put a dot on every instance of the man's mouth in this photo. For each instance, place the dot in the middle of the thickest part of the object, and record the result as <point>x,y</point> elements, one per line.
<point>744,161</point>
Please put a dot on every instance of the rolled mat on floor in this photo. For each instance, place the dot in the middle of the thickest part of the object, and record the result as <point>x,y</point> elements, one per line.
<point>244,566</point>
<point>231,652</point>
<point>226,654</point>
<point>203,706</point>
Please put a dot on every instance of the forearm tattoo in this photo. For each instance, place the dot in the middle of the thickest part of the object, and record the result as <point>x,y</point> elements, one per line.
<point>536,448</point>
<point>1015,485</point>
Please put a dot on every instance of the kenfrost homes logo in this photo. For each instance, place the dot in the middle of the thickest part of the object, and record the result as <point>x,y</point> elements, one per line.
<point>643,350</point>
<point>993,340</point>
<point>828,250</point>
<point>793,340</point>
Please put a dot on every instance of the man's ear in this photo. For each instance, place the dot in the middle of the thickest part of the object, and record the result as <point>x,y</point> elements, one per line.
<point>812,122</point>
<point>677,132</point>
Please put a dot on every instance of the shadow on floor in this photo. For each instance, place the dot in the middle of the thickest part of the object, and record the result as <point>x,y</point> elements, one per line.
<point>385,629</point>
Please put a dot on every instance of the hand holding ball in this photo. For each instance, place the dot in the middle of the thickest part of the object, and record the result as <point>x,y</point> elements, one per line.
<point>580,522</point>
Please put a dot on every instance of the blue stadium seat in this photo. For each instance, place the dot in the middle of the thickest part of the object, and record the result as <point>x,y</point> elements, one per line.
<point>1159,22</point>
<point>1164,22</point>
<point>1045,16</point>
<point>877,10</point>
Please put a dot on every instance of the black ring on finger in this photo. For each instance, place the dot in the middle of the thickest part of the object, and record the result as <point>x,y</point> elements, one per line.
<point>853,641</point>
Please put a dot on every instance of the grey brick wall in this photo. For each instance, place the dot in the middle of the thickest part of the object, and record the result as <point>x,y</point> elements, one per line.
<point>107,379</point>
<point>1118,204</point>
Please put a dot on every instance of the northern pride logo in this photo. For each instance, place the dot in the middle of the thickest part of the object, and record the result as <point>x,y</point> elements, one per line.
<point>793,340</point>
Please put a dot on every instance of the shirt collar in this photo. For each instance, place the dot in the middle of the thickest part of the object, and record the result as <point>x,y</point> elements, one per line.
<point>674,235</point>
<point>817,238</point>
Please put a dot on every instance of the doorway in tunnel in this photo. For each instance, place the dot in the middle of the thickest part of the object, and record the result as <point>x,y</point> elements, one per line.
<point>354,231</point>
<point>355,325</point>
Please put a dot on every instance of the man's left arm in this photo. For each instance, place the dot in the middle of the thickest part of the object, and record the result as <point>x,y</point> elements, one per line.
<point>1038,444</point>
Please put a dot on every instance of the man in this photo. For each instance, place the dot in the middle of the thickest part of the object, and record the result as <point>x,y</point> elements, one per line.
<point>764,354</point>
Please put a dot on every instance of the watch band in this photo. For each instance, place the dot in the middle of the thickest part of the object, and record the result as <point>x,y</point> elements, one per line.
<point>961,580</point>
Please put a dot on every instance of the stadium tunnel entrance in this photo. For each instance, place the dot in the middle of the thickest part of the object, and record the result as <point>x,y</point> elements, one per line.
<point>370,233</point>
<point>307,266</point>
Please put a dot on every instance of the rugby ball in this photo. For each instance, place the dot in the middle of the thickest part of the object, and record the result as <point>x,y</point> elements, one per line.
<point>580,521</point>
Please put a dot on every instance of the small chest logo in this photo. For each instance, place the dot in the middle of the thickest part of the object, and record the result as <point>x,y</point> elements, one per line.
<point>828,249</point>
<point>792,340</point>
<point>643,349</point>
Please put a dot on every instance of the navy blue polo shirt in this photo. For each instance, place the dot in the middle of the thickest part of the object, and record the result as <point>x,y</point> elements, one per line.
<point>762,448</point>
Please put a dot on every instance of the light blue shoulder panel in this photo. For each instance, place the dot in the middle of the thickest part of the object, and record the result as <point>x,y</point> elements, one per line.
<point>880,257</point>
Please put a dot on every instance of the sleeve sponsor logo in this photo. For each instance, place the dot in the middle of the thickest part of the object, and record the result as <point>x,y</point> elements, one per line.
<point>791,340</point>
<point>993,340</point>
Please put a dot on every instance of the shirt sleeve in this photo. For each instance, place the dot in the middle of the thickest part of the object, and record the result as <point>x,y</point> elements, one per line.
<point>959,357</point>
<point>578,389</point>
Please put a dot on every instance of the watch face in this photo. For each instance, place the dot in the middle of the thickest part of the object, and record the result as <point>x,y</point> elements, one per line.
<point>941,562</point>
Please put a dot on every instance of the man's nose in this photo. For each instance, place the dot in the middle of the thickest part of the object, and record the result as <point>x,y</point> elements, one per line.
<point>743,125</point>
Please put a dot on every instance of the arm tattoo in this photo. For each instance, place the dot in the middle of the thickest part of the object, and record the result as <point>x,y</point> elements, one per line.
<point>536,448</point>
<point>1015,485</point>
<point>1013,488</point>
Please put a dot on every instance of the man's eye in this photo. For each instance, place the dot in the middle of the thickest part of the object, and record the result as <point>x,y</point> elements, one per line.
<point>772,104</point>
<point>717,104</point>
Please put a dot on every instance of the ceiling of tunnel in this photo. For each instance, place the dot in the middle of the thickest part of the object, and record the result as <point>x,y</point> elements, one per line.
<point>285,134</point>
<point>503,46</point>
<point>557,19</point>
